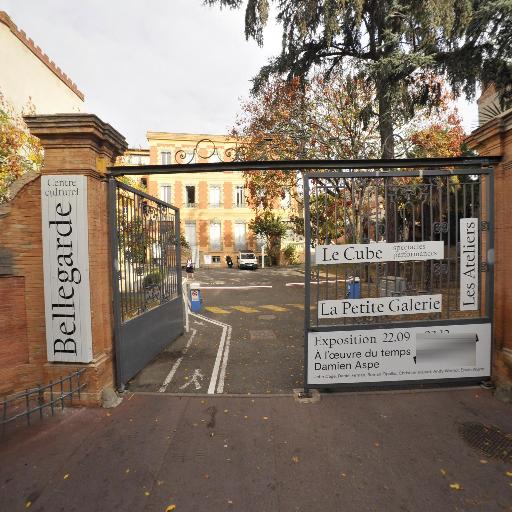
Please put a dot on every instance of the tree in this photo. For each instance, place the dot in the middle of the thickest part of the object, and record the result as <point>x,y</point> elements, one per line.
<point>20,152</point>
<point>269,226</point>
<point>331,119</point>
<point>395,45</point>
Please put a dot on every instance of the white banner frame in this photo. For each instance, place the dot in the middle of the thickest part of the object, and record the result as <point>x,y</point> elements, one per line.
<point>65,236</point>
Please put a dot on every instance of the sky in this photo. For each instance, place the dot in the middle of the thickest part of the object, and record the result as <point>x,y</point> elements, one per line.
<point>155,65</point>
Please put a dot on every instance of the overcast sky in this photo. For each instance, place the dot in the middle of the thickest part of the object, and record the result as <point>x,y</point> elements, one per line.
<point>154,65</point>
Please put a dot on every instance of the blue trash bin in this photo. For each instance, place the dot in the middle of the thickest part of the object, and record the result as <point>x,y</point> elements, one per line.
<point>195,297</point>
<point>354,288</point>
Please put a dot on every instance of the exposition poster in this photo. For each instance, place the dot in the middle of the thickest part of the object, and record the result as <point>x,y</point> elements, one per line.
<point>396,354</point>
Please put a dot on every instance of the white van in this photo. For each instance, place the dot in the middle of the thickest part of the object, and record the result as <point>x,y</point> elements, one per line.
<point>247,259</point>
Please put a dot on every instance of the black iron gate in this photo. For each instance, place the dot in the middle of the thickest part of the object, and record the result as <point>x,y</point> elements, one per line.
<point>399,275</point>
<point>148,305</point>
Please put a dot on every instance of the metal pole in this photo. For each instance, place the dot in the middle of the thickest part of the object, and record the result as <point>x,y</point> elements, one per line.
<point>262,256</point>
<point>112,211</point>
<point>307,280</point>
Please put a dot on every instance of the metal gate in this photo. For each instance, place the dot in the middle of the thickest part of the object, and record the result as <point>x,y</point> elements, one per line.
<point>146,270</point>
<point>399,274</point>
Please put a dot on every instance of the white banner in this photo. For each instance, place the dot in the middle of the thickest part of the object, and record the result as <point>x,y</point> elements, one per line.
<point>378,252</point>
<point>398,354</point>
<point>66,268</point>
<point>469,292</point>
<point>403,305</point>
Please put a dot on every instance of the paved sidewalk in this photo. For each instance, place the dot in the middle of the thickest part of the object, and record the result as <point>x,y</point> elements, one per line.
<point>358,452</point>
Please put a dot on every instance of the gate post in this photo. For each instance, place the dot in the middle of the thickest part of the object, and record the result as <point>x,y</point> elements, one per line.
<point>82,144</point>
<point>494,138</point>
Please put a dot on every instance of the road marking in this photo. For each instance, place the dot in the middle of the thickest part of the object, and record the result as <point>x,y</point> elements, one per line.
<point>298,306</point>
<point>274,308</point>
<point>248,287</point>
<point>216,310</point>
<point>245,309</point>
<point>197,375</point>
<point>221,360</point>
<point>170,375</point>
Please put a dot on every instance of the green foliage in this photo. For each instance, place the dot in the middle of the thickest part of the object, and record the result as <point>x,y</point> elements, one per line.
<point>152,279</point>
<point>20,152</point>
<point>183,242</point>
<point>132,237</point>
<point>398,46</point>
<point>290,255</point>
<point>269,226</point>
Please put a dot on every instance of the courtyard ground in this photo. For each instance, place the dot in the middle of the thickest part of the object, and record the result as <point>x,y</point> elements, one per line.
<point>348,453</point>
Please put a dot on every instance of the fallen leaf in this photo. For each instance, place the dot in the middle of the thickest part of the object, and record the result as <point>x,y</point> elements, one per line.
<point>455,486</point>
<point>225,410</point>
<point>230,502</point>
<point>295,459</point>
<point>146,493</point>
<point>343,475</point>
<point>109,414</point>
<point>443,471</point>
<point>483,461</point>
<point>376,445</point>
<point>206,477</point>
<point>265,417</point>
<point>246,417</point>
<point>66,476</point>
<point>508,473</point>
<point>28,504</point>
<point>127,470</point>
<point>159,482</point>
<point>170,508</point>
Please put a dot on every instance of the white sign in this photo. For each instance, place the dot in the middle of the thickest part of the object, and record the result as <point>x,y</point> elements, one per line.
<point>379,252</point>
<point>404,305</point>
<point>468,264</point>
<point>399,354</point>
<point>66,268</point>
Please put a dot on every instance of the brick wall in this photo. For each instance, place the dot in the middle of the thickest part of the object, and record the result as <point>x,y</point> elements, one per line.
<point>22,333</point>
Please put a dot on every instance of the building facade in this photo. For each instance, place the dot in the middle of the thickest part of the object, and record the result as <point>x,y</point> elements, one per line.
<point>30,81</point>
<point>214,209</point>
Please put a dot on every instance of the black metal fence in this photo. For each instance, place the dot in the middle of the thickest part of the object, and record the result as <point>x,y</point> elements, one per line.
<point>419,206</point>
<point>422,313</point>
<point>33,402</point>
<point>146,272</point>
<point>147,251</point>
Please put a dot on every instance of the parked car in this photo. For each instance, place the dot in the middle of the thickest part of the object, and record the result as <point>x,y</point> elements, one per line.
<point>247,259</point>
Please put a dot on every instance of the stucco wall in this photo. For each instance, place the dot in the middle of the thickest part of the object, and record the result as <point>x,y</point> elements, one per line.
<point>25,77</point>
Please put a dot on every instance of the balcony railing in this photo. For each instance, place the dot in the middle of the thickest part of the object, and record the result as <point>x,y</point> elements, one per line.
<point>215,205</point>
<point>190,205</point>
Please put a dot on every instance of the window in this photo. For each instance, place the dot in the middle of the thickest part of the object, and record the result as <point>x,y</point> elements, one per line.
<point>165,193</point>
<point>215,259</point>
<point>190,234</point>
<point>240,231</point>
<point>190,196</point>
<point>240,196</point>
<point>215,236</point>
<point>214,196</point>
<point>165,157</point>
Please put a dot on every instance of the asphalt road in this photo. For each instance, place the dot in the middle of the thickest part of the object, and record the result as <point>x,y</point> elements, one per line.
<point>248,338</point>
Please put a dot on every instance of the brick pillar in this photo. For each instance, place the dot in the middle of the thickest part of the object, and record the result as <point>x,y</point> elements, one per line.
<point>83,144</point>
<point>495,139</point>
